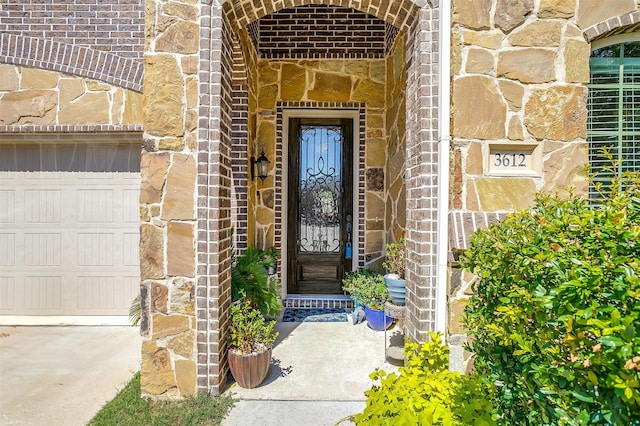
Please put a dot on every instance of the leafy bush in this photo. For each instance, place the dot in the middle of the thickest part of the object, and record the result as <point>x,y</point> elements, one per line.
<point>556,310</point>
<point>366,288</point>
<point>425,392</point>
<point>396,258</point>
<point>250,281</point>
<point>249,331</point>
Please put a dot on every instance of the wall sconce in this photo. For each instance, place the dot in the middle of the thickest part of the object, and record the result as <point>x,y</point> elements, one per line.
<point>262,163</point>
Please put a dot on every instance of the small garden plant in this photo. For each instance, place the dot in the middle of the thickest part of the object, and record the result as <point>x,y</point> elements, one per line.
<point>396,258</point>
<point>366,288</point>
<point>249,331</point>
<point>425,392</point>
<point>555,316</point>
<point>250,281</point>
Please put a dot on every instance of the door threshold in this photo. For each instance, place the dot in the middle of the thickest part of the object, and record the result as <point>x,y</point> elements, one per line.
<point>317,301</point>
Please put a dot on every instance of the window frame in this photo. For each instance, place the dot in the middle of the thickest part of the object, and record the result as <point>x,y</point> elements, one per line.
<point>621,134</point>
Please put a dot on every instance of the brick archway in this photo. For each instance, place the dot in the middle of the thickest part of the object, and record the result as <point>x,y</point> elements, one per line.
<point>397,13</point>
<point>78,60</point>
<point>617,25</point>
<point>189,142</point>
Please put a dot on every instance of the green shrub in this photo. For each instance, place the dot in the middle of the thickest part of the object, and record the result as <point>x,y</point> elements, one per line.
<point>555,316</point>
<point>250,281</point>
<point>249,331</point>
<point>425,392</point>
<point>366,287</point>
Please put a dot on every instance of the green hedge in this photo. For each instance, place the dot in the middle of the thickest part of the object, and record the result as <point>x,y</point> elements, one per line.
<point>555,316</point>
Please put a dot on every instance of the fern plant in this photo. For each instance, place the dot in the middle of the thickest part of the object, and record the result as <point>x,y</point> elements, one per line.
<point>251,282</point>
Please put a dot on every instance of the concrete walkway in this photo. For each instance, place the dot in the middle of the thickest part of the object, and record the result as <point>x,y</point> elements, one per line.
<point>63,375</point>
<point>318,376</point>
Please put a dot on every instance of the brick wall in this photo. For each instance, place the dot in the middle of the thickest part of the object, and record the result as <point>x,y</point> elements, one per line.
<point>239,149</point>
<point>321,32</point>
<point>115,26</point>
<point>421,173</point>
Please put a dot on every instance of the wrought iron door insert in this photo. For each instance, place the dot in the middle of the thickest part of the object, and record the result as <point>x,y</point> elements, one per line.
<point>320,204</point>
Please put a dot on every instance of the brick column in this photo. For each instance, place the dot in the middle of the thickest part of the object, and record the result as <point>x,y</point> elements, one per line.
<point>421,173</point>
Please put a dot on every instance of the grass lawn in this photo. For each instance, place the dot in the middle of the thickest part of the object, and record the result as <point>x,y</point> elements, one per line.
<point>128,408</point>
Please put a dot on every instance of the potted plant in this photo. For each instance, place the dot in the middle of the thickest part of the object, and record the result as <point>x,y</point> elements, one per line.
<point>395,264</point>
<point>250,340</point>
<point>250,281</point>
<point>368,288</point>
<point>355,282</point>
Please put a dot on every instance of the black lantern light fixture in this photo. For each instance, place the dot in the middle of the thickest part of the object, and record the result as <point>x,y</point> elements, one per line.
<point>262,164</point>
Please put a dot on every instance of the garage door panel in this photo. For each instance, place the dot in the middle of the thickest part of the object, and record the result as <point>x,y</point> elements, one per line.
<point>68,240</point>
<point>130,200</point>
<point>43,293</point>
<point>42,206</point>
<point>97,292</point>
<point>95,249</point>
<point>130,253</point>
<point>8,200</point>
<point>7,293</point>
<point>7,249</point>
<point>42,249</point>
<point>95,205</point>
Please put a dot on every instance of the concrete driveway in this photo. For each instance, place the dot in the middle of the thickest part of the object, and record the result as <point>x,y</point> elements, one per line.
<point>63,375</point>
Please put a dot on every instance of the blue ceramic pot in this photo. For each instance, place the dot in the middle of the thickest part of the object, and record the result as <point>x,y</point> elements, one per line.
<point>396,288</point>
<point>376,318</point>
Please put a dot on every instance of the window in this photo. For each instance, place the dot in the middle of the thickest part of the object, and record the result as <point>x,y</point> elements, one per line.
<point>614,108</point>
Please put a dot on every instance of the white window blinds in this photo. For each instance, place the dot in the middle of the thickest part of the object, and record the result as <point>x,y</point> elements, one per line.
<point>614,110</point>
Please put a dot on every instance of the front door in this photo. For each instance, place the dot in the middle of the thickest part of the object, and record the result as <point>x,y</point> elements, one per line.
<point>320,225</point>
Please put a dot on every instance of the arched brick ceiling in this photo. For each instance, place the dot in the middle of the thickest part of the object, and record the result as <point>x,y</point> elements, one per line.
<point>321,31</point>
<point>399,13</point>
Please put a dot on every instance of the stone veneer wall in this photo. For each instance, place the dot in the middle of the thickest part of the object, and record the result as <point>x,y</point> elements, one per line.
<point>396,146</point>
<point>34,97</point>
<point>170,262</point>
<point>519,69</point>
<point>322,84</point>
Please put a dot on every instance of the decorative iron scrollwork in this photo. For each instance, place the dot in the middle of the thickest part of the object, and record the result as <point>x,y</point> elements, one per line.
<point>320,189</point>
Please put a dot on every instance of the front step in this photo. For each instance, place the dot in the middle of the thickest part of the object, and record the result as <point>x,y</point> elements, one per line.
<point>319,301</point>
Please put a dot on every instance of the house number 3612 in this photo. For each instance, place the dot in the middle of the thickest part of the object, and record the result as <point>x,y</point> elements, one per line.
<point>509,160</point>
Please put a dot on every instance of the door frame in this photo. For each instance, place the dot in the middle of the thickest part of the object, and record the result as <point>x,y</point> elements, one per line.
<point>352,114</point>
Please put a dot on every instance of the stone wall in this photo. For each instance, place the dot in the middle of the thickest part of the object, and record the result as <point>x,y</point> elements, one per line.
<point>34,97</point>
<point>331,81</point>
<point>519,75</point>
<point>395,119</point>
<point>169,167</point>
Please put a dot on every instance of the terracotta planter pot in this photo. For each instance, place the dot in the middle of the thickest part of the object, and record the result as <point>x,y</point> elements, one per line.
<point>249,370</point>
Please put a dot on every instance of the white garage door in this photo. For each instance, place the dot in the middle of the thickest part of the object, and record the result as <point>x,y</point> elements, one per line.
<point>68,232</point>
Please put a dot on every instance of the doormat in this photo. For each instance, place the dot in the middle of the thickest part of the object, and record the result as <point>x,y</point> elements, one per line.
<point>314,315</point>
